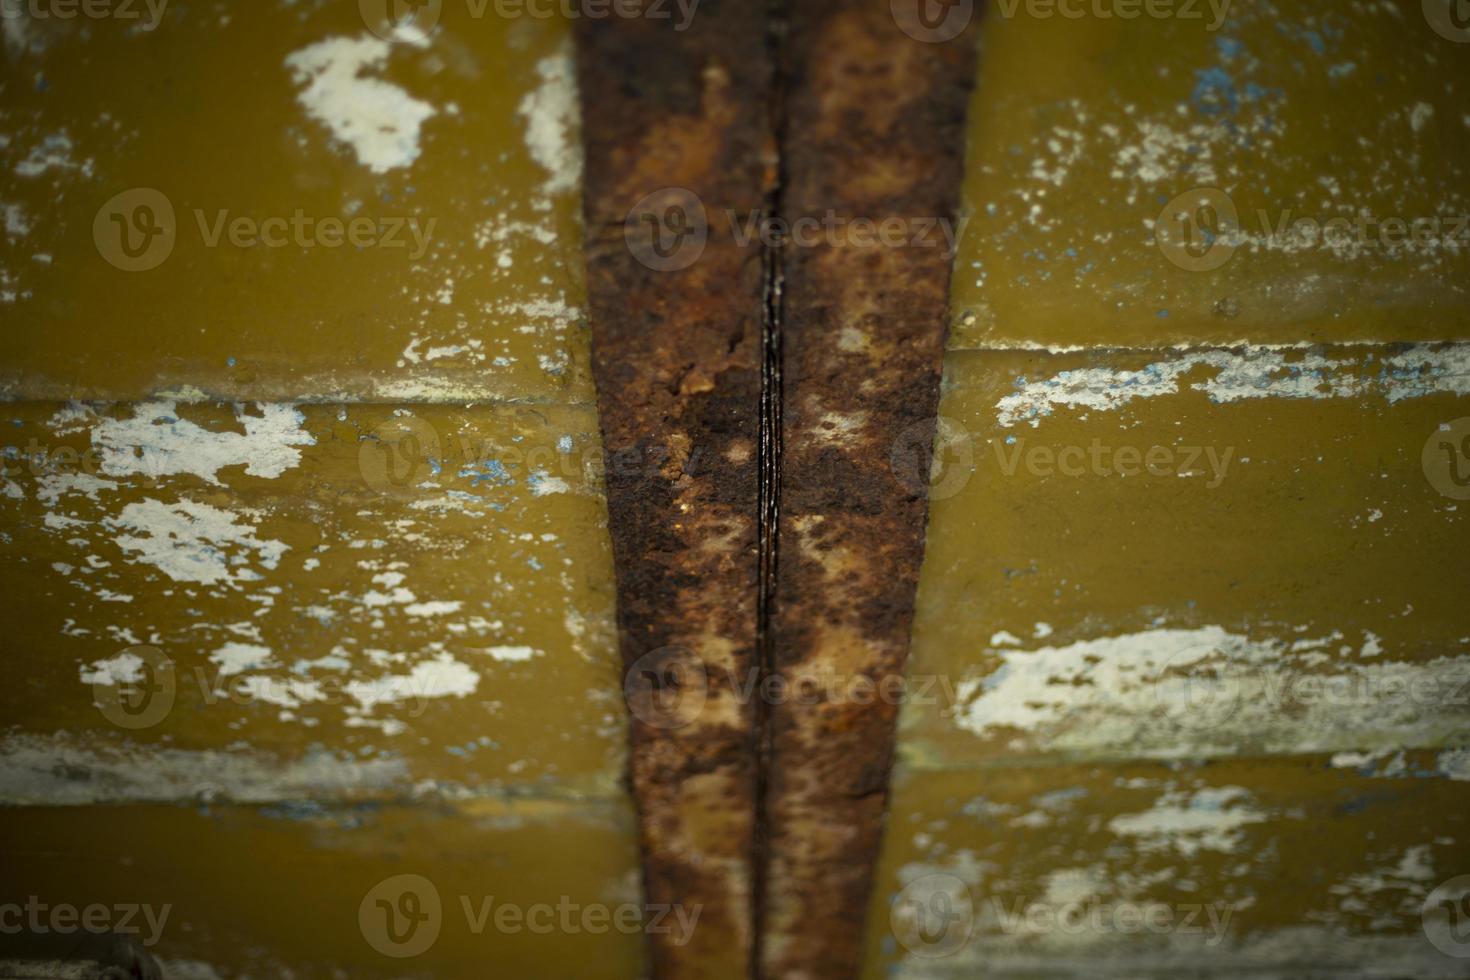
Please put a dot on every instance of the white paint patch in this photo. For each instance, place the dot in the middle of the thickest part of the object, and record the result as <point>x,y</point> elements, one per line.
<point>58,770</point>
<point>441,677</point>
<point>1254,372</point>
<point>192,542</point>
<point>155,442</point>
<point>1210,820</point>
<point>1170,693</point>
<point>51,487</point>
<point>439,608</point>
<point>53,153</point>
<point>552,122</point>
<point>1420,115</point>
<point>543,486</point>
<point>287,692</point>
<point>507,654</point>
<point>1455,764</point>
<point>125,668</point>
<point>236,658</point>
<point>379,120</point>
<point>1069,886</point>
<point>16,223</point>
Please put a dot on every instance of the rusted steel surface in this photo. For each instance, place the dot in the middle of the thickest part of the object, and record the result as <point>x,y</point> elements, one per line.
<point>677,360</point>
<point>874,124</point>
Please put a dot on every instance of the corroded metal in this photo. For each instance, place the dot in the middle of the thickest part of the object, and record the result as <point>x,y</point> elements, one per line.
<point>677,135</point>
<point>767,811</point>
<point>874,123</point>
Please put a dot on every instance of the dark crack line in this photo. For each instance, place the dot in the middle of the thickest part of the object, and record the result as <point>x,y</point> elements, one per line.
<point>769,516</point>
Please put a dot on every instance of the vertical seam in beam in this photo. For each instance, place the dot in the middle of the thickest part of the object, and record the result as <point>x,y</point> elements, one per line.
<point>770,469</point>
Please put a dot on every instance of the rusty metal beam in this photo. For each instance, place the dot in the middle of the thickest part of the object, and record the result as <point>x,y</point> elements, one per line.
<point>752,390</point>
<point>676,133</point>
<point>875,130</point>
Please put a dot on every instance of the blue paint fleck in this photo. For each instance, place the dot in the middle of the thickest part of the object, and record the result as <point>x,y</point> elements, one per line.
<point>1214,92</point>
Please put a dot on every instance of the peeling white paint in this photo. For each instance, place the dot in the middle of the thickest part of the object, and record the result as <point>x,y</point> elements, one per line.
<point>441,677</point>
<point>192,542</point>
<point>155,442</point>
<point>551,119</point>
<point>235,658</point>
<point>1455,764</point>
<point>60,770</point>
<point>379,120</point>
<point>511,654</point>
<point>544,486</point>
<point>1253,372</point>
<point>437,608</point>
<point>125,668</point>
<point>1209,819</point>
<point>1169,693</point>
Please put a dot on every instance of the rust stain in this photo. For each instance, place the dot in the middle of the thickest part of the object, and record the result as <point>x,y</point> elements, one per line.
<point>875,130</point>
<point>751,396</point>
<point>676,134</point>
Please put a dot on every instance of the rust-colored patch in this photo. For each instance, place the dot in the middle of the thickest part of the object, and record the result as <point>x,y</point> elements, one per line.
<point>682,116</point>
<point>811,363</point>
<point>875,130</point>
